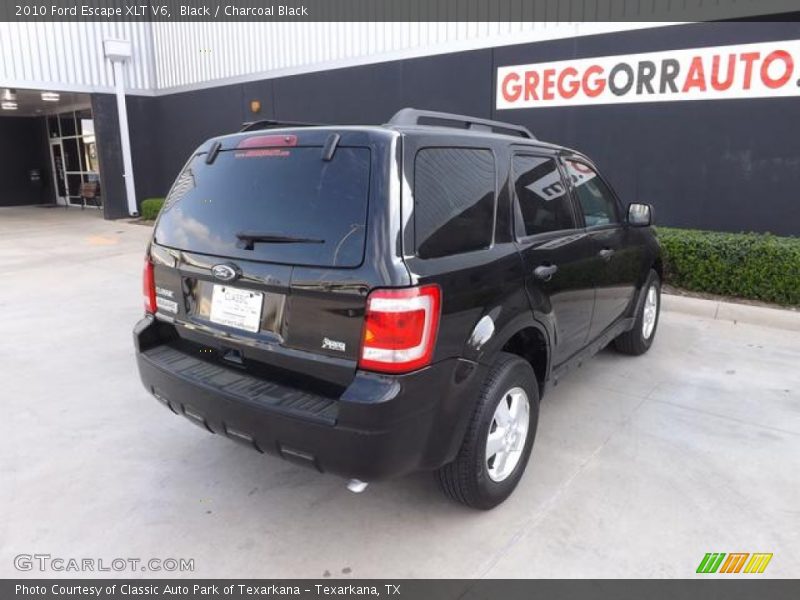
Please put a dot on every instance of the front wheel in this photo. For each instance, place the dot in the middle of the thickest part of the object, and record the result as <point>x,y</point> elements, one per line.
<point>499,439</point>
<point>639,339</point>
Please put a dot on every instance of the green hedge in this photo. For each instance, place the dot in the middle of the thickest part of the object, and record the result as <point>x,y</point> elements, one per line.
<point>748,265</point>
<point>151,208</point>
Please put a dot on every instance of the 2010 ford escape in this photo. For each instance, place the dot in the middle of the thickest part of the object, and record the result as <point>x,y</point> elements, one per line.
<point>372,301</point>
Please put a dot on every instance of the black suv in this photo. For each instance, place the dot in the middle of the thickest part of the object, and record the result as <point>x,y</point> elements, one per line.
<point>372,301</point>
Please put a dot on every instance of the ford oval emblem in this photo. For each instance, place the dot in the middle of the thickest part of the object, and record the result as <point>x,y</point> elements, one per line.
<point>225,272</point>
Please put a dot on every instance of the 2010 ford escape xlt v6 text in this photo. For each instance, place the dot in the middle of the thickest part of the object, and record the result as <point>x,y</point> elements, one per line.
<point>372,301</point>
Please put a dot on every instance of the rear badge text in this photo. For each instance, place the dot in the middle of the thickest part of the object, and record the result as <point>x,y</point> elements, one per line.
<point>328,344</point>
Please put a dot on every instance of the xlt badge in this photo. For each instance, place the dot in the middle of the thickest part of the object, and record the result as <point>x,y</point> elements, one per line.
<point>328,344</point>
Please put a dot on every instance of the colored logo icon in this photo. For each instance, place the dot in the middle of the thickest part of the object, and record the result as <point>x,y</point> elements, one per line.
<point>736,562</point>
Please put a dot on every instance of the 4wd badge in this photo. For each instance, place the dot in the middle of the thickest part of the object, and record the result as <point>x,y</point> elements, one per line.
<point>328,344</point>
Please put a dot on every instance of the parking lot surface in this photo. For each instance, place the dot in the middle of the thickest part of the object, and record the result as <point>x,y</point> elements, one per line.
<point>640,466</point>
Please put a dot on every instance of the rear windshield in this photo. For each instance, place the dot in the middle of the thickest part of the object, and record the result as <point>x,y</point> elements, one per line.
<point>311,211</point>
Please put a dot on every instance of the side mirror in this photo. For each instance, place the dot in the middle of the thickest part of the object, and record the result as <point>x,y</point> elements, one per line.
<point>640,215</point>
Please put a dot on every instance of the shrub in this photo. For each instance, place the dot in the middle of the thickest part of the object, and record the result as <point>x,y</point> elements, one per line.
<point>151,208</point>
<point>749,265</point>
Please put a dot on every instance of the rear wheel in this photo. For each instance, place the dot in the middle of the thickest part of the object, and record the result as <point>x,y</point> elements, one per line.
<point>639,339</point>
<point>499,439</point>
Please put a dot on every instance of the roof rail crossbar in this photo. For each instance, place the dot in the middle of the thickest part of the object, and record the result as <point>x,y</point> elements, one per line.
<point>272,124</point>
<point>412,116</point>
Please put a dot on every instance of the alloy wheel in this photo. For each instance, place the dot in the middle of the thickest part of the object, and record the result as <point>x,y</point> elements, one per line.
<point>508,433</point>
<point>650,312</point>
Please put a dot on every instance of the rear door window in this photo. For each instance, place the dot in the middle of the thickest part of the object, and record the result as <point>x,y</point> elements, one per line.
<point>543,203</point>
<point>454,200</point>
<point>314,212</point>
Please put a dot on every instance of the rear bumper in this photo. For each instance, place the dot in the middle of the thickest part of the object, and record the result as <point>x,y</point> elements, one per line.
<point>381,426</point>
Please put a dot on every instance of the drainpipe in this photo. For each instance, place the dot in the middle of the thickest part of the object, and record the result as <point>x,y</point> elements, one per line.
<point>119,52</point>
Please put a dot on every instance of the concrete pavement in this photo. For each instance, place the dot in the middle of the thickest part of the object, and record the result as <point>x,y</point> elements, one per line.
<point>640,467</point>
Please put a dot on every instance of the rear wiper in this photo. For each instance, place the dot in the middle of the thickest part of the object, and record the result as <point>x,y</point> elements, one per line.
<point>249,239</point>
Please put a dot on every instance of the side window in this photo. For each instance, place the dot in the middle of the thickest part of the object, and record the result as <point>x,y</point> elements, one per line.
<point>596,199</point>
<point>454,198</point>
<point>542,202</point>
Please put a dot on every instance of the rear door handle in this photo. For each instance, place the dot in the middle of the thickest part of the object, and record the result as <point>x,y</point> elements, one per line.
<point>606,253</point>
<point>545,272</point>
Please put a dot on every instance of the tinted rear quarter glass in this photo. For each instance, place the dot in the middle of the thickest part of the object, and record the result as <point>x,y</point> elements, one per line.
<point>276,191</point>
<point>454,200</point>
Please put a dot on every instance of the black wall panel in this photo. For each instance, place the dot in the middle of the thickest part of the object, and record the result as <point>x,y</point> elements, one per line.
<point>726,164</point>
<point>364,94</point>
<point>371,94</point>
<point>146,151</point>
<point>186,120</point>
<point>458,83</point>
<point>263,91</point>
<point>23,146</point>
<point>109,153</point>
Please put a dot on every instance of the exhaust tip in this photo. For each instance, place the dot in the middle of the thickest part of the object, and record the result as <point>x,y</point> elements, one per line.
<point>357,486</point>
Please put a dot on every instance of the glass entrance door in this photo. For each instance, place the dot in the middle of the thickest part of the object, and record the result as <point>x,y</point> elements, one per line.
<point>74,151</point>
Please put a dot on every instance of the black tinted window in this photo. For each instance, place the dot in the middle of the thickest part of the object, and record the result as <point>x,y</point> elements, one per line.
<point>453,200</point>
<point>597,201</point>
<point>274,191</point>
<point>542,200</point>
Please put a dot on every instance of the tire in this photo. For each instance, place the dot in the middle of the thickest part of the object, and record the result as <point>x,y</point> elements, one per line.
<point>639,339</point>
<point>473,478</point>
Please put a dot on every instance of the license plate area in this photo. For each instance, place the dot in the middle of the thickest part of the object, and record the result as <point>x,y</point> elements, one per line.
<point>236,307</point>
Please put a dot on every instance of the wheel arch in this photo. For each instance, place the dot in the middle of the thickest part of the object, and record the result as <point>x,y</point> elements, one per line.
<point>530,344</point>
<point>526,338</point>
<point>658,266</point>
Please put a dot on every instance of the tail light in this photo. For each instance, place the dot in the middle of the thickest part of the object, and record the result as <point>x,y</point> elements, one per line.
<point>149,287</point>
<point>400,329</point>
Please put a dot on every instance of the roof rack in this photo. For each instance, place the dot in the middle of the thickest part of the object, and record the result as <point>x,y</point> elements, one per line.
<point>272,124</point>
<point>412,116</point>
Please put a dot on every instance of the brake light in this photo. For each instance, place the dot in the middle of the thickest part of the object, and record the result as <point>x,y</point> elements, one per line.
<point>400,329</point>
<point>263,141</point>
<point>149,287</point>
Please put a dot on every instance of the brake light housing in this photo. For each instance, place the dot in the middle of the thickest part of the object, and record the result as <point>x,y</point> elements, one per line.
<point>149,287</point>
<point>266,141</point>
<point>400,329</point>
